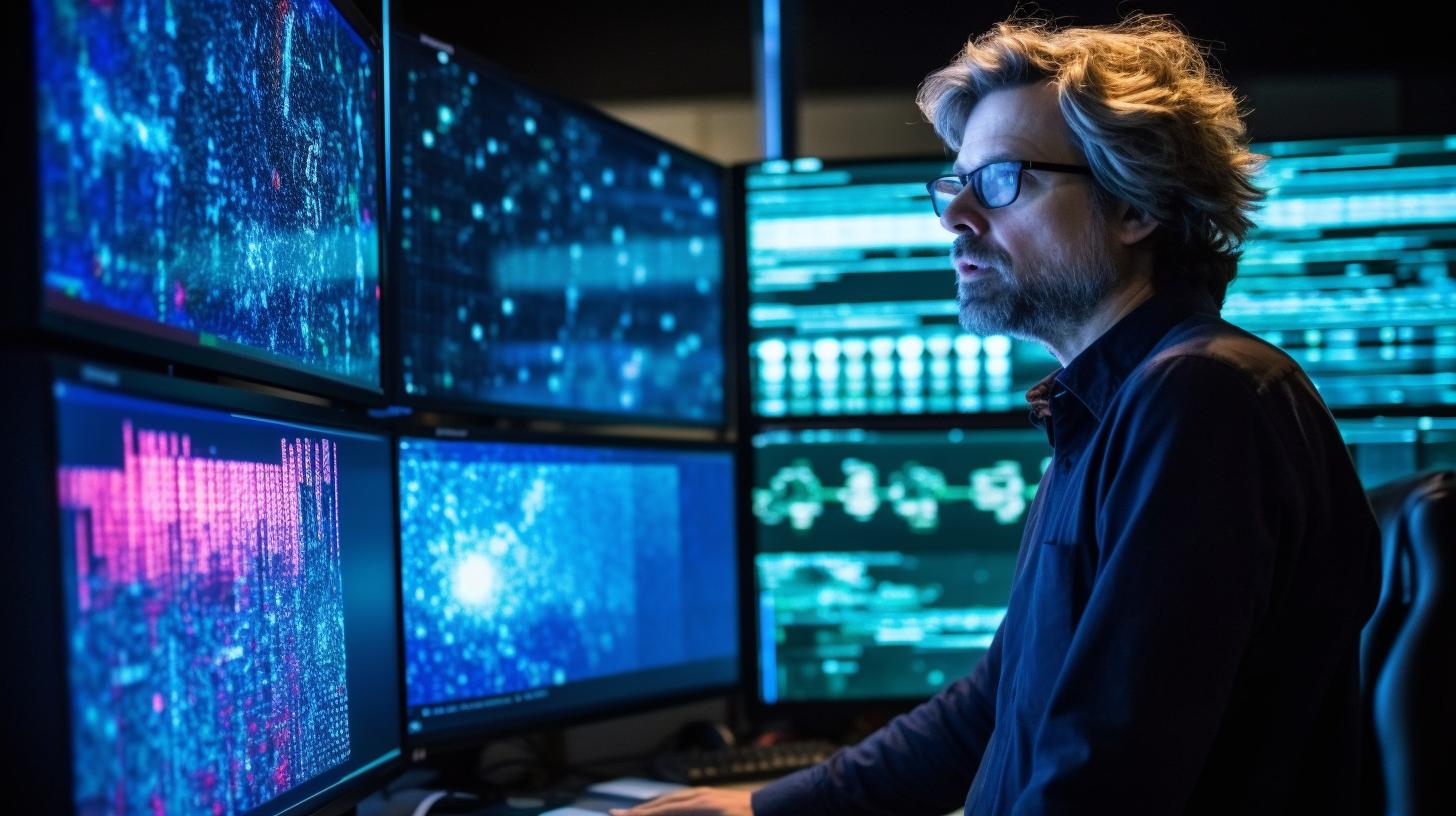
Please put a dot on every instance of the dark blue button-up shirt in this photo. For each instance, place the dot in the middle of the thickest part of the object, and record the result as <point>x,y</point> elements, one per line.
<point>1183,630</point>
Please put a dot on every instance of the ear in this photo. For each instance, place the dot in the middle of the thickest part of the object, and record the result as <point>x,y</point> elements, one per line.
<point>1131,224</point>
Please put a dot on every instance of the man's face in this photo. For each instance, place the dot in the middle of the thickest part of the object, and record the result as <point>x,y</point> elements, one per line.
<point>1038,267</point>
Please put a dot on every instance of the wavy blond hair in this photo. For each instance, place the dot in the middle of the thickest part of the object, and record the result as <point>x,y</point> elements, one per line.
<point>1155,121</point>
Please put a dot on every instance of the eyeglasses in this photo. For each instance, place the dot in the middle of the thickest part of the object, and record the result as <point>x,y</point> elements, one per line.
<point>995,185</point>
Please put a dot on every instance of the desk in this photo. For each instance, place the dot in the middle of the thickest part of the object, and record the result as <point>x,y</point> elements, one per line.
<point>407,795</point>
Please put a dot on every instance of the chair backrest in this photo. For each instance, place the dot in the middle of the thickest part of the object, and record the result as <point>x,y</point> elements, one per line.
<point>1408,651</point>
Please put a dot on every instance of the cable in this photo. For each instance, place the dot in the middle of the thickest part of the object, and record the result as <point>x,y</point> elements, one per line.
<point>428,802</point>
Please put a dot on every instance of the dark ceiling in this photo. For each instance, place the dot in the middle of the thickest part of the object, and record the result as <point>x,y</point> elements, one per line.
<point>636,49</point>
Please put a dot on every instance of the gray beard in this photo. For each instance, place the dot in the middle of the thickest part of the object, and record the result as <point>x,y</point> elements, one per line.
<point>1045,303</point>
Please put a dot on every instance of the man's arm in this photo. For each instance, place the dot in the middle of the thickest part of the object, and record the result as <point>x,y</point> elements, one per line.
<point>921,762</point>
<point>1187,530</point>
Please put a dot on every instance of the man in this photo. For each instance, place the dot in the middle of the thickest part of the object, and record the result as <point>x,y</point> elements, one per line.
<point>1183,630</point>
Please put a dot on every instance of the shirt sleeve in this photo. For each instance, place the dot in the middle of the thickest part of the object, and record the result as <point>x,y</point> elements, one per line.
<point>1187,529</point>
<point>921,762</point>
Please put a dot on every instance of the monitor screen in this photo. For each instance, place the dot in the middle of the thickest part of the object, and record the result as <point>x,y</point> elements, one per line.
<point>1389,448</point>
<point>209,175</point>
<point>545,581</point>
<point>227,579</point>
<point>548,257</point>
<point>852,299</point>
<point>1351,267</point>
<point>885,558</point>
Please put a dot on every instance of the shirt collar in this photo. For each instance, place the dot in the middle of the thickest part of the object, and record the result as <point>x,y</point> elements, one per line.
<point>1094,376</point>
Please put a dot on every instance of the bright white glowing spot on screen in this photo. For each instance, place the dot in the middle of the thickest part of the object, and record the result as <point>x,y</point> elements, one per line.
<point>476,582</point>
<point>529,126</point>
<point>428,138</point>
<point>508,204</point>
<point>446,117</point>
<point>477,211</point>
<point>826,348</point>
<point>508,307</point>
<point>967,345</point>
<point>442,57</point>
<point>997,345</point>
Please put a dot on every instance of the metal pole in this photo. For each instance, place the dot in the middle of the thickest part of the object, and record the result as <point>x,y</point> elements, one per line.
<point>776,75</point>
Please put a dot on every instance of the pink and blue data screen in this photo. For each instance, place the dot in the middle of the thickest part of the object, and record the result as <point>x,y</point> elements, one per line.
<point>226,579</point>
<point>542,579</point>
<point>209,176</point>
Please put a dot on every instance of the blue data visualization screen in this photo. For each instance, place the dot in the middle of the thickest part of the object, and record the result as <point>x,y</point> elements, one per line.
<point>223,578</point>
<point>1388,448</point>
<point>542,580</point>
<point>852,304</point>
<point>885,558</point>
<point>1351,267</point>
<point>549,257</point>
<point>209,176</point>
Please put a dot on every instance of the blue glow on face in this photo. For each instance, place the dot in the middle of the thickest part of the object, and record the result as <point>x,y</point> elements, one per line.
<point>210,167</point>
<point>591,230</point>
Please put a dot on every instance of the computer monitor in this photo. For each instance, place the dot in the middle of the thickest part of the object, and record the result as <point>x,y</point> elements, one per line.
<point>884,558</point>
<point>1350,270</point>
<point>551,260</point>
<point>209,184</point>
<point>545,582</point>
<point>226,582</point>
<point>851,298</point>
<point>1389,448</point>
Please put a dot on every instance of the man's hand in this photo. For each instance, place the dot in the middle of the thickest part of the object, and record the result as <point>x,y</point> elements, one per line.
<point>694,802</point>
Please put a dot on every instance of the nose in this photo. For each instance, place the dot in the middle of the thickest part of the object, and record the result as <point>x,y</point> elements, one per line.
<point>963,214</point>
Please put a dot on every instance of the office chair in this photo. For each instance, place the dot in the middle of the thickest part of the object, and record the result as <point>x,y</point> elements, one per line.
<point>1408,652</point>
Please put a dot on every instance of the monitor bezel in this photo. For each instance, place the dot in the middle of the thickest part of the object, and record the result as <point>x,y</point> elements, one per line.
<point>583,417</point>
<point>151,342</point>
<point>444,741</point>
<point>46,609</point>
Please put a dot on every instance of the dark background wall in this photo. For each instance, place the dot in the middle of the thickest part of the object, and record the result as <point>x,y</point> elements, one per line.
<point>1308,69</point>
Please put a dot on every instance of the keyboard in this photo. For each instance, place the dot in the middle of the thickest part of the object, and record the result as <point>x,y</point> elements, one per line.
<point>741,763</point>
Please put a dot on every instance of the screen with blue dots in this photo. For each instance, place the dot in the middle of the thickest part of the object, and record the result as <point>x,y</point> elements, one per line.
<point>549,257</point>
<point>209,175</point>
<point>541,580</point>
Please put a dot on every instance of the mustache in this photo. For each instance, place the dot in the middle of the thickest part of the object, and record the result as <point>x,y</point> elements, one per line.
<point>966,248</point>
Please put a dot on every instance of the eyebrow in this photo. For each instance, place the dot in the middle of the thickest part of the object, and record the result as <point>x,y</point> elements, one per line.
<point>994,157</point>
